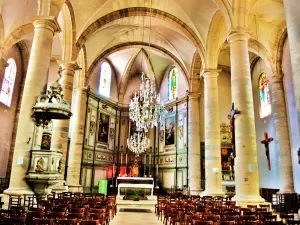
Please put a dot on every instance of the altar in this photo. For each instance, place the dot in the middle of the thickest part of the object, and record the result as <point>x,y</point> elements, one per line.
<point>135,182</point>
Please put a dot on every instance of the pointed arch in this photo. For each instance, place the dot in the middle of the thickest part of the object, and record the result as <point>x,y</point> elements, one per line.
<point>139,11</point>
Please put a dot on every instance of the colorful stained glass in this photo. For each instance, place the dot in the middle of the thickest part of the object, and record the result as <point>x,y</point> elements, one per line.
<point>264,93</point>
<point>172,83</point>
<point>105,80</point>
<point>8,82</point>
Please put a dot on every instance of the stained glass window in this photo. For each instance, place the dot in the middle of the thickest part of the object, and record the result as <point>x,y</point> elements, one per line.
<point>105,80</point>
<point>264,93</point>
<point>172,83</point>
<point>8,82</point>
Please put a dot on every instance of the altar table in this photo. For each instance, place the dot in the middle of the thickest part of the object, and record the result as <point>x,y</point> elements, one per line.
<point>133,185</point>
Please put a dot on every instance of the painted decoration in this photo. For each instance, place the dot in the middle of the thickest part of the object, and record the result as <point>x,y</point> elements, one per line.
<point>105,80</point>
<point>170,131</point>
<point>8,82</point>
<point>264,93</point>
<point>103,128</point>
<point>46,141</point>
<point>172,83</point>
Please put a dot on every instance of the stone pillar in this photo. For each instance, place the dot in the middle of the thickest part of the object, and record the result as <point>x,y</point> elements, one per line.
<point>38,66</point>
<point>194,143</point>
<point>282,135</point>
<point>293,26</point>
<point>77,142</point>
<point>213,169</point>
<point>246,166</point>
<point>60,131</point>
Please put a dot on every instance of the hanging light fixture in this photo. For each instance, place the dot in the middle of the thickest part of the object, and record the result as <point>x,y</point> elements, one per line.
<point>138,143</point>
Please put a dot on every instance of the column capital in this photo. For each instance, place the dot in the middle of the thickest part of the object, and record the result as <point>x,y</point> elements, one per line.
<point>47,22</point>
<point>238,35</point>
<point>193,95</point>
<point>81,89</point>
<point>276,78</point>
<point>211,73</point>
<point>68,65</point>
<point>3,63</point>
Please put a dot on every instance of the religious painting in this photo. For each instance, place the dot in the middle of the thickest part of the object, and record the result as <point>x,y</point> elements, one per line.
<point>46,141</point>
<point>103,128</point>
<point>264,93</point>
<point>162,135</point>
<point>172,83</point>
<point>170,131</point>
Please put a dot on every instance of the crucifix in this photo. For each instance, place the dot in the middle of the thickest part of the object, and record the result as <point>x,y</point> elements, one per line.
<point>231,117</point>
<point>266,142</point>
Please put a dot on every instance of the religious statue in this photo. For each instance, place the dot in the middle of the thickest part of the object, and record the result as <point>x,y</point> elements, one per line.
<point>135,169</point>
<point>231,117</point>
<point>59,168</point>
<point>266,142</point>
<point>39,165</point>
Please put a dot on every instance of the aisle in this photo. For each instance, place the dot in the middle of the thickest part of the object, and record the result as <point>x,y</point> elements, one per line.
<point>135,218</point>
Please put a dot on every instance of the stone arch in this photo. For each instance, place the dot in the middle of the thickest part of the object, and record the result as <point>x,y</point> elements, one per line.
<point>69,31</point>
<point>213,40</point>
<point>196,64</point>
<point>140,11</point>
<point>278,49</point>
<point>1,30</point>
<point>136,44</point>
<point>16,36</point>
<point>226,9</point>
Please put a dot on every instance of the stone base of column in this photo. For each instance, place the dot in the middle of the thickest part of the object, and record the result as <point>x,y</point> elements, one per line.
<point>59,187</point>
<point>16,192</point>
<point>195,191</point>
<point>247,200</point>
<point>75,188</point>
<point>212,193</point>
<point>286,192</point>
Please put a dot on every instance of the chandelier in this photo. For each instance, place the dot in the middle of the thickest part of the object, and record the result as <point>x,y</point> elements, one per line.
<point>145,107</point>
<point>138,143</point>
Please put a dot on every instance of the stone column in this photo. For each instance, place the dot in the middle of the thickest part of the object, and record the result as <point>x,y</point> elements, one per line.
<point>246,166</point>
<point>38,66</point>
<point>282,135</point>
<point>293,26</point>
<point>213,169</point>
<point>77,136</point>
<point>60,131</point>
<point>194,143</point>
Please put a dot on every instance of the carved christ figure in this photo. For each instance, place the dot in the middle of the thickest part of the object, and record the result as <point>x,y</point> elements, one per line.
<point>231,117</point>
<point>266,142</point>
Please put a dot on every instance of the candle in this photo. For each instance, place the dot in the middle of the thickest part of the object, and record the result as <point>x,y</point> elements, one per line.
<point>149,159</point>
<point>113,170</point>
<point>145,159</point>
<point>156,170</point>
<point>126,159</point>
<point>121,159</point>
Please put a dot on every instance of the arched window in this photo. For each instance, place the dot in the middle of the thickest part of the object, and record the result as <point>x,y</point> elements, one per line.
<point>8,82</point>
<point>264,94</point>
<point>105,80</point>
<point>172,83</point>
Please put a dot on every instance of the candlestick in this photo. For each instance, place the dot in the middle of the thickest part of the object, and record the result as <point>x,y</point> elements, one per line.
<point>113,170</point>
<point>145,159</point>
<point>156,170</point>
<point>121,159</point>
<point>126,159</point>
<point>149,159</point>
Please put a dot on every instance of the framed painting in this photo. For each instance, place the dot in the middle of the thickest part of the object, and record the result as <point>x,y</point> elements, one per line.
<point>46,141</point>
<point>170,131</point>
<point>103,132</point>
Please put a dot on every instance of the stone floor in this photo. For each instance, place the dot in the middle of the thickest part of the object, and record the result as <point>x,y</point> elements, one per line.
<point>136,218</point>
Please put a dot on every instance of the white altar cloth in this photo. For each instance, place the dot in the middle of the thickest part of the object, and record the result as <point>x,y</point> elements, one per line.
<point>135,178</point>
<point>128,185</point>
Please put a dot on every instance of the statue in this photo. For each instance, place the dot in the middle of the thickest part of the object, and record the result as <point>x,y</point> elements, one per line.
<point>39,165</point>
<point>135,169</point>
<point>59,168</point>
